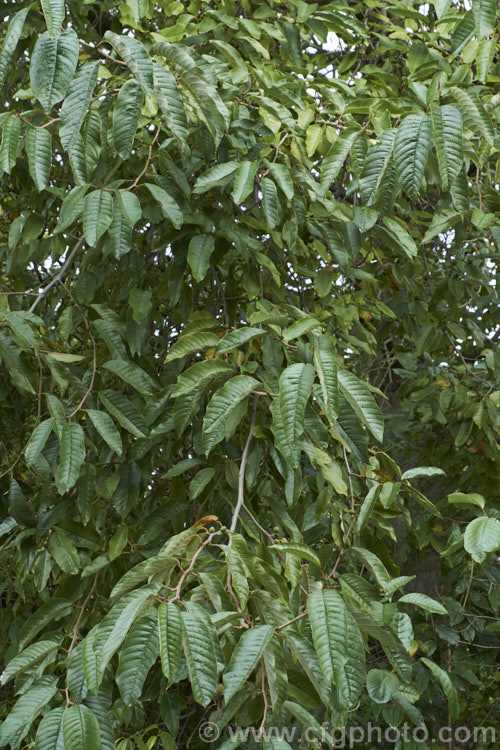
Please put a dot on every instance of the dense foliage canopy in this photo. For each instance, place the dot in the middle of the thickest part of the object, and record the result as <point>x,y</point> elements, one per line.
<point>249,373</point>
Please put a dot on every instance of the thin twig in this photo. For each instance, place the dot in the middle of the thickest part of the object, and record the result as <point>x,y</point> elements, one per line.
<point>79,618</point>
<point>59,276</point>
<point>241,474</point>
<point>261,529</point>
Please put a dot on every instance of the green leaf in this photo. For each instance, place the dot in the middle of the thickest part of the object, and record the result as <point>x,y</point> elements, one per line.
<point>374,565</point>
<point>132,374</point>
<point>170,629</point>
<point>424,602</point>
<point>244,658</point>
<point>49,735</point>
<point>134,54</point>
<point>26,709</point>
<point>71,208</point>
<point>475,116</point>
<point>76,104</point>
<point>130,206</point>
<point>170,101</point>
<point>447,685</point>
<point>217,176</point>
<point>482,535</point>
<point>113,629</point>
<point>377,167</point>
<point>325,362</point>
<point>80,728</point>
<point>124,412</point>
<point>301,327</point>
<point>200,249</point>
<point>11,38</point>
<point>137,655</point>
<point>201,658</point>
<point>363,403</point>
<point>338,644</point>
<point>381,685</point>
<point>270,203</point>
<point>11,134</point>
<point>295,387</point>
<point>49,612</point>
<point>39,151</point>
<point>200,375</point>
<point>334,159</point>
<point>106,429</point>
<point>422,471</point>
<point>37,441</point>
<point>447,124</point>
<point>235,339</point>
<point>72,454</point>
<point>411,149</point>
<point>27,658</point>
<point>53,65</point>
<point>485,14</point>
<point>63,551</point>
<point>190,343</point>
<point>225,400</point>
<point>281,176</point>
<point>244,180</point>
<point>470,498</point>
<point>169,206</point>
<point>54,13</point>
<point>97,215</point>
<point>298,549</point>
<point>120,232</point>
<point>126,115</point>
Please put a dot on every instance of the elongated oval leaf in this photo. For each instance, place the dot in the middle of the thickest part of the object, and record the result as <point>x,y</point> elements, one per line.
<point>295,388</point>
<point>53,66</point>
<point>234,339</point>
<point>124,412</point>
<point>54,13</point>
<point>39,151</point>
<point>244,180</point>
<point>49,735</point>
<point>201,658</point>
<point>170,101</point>
<point>190,343</point>
<point>376,167</point>
<point>72,454</point>
<point>134,54</point>
<point>76,104</point>
<point>298,549</point>
<point>137,656</point>
<point>9,44</point>
<point>270,203</point>
<point>338,644</point>
<point>126,117</point>
<point>200,375</point>
<point>226,399</point>
<point>27,708</point>
<point>27,658</point>
<point>325,361</point>
<point>131,374</point>
<point>169,206</point>
<point>244,658</point>
<point>362,401</point>
<point>217,176</point>
<point>37,441</point>
<point>10,143</point>
<point>485,14</point>
<point>447,124</point>
<point>482,535</point>
<point>200,249</point>
<point>281,175</point>
<point>475,116</point>
<point>80,728</point>
<point>447,685</point>
<point>336,156</point>
<point>411,149</point>
<point>170,630</point>
<point>106,429</point>
<point>424,602</point>
<point>97,215</point>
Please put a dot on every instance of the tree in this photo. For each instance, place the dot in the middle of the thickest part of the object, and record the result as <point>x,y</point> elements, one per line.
<point>249,373</point>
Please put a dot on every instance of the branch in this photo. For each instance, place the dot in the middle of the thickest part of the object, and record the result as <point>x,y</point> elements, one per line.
<point>59,276</point>
<point>243,463</point>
